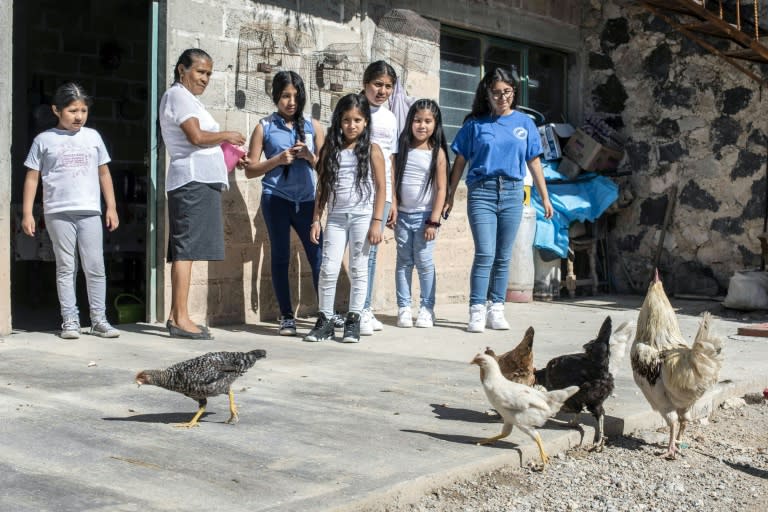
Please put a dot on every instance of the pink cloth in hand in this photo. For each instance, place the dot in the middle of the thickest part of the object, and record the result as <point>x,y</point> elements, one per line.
<point>232,155</point>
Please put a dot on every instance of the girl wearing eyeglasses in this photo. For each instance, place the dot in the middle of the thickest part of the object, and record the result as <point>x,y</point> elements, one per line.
<point>496,144</point>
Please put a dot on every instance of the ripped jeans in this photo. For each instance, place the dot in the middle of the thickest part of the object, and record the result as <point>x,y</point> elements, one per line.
<point>342,229</point>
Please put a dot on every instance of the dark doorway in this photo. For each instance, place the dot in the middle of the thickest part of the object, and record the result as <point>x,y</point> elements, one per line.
<point>103,46</point>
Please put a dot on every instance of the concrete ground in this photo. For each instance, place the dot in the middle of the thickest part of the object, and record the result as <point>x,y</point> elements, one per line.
<point>323,426</point>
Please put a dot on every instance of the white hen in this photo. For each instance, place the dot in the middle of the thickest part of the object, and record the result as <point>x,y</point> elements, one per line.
<point>518,404</point>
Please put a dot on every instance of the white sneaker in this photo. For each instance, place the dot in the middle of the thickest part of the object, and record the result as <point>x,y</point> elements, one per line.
<point>477,314</point>
<point>377,326</point>
<point>366,323</point>
<point>404,318</point>
<point>104,329</point>
<point>426,317</point>
<point>70,328</point>
<point>495,317</point>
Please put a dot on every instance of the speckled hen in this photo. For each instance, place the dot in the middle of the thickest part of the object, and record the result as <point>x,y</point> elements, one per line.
<point>205,376</point>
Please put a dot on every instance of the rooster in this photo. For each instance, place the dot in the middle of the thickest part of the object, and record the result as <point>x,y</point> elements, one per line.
<point>672,375</point>
<point>517,364</point>
<point>518,404</point>
<point>205,376</point>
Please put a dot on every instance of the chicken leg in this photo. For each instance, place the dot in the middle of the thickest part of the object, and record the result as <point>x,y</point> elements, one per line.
<point>534,434</point>
<point>505,431</point>
<point>194,421</point>
<point>233,418</point>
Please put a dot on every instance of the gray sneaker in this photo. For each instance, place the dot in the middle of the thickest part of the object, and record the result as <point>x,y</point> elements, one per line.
<point>70,329</point>
<point>104,329</point>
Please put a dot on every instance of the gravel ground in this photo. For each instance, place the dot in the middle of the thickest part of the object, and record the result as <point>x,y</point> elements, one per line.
<point>725,468</point>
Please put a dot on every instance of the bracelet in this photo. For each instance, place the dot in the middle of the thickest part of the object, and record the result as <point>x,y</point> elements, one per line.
<point>428,222</point>
<point>374,218</point>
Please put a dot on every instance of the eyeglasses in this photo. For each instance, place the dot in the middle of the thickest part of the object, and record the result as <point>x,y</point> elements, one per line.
<point>506,93</point>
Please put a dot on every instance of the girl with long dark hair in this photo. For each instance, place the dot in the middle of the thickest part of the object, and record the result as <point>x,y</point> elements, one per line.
<point>421,176</point>
<point>351,188</point>
<point>499,144</point>
<point>290,144</point>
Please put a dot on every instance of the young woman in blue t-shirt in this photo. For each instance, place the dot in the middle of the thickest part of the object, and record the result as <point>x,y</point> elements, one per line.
<point>291,144</point>
<point>499,144</point>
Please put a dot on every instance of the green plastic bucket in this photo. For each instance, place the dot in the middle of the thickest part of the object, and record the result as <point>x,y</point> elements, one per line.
<point>130,308</point>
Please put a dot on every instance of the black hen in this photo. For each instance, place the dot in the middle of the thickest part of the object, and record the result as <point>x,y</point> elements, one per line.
<point>205,376</point>
<point>589,371</point>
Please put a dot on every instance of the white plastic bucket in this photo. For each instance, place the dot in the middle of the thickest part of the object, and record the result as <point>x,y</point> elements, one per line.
<point>521,270</point>
<point>547,277</point>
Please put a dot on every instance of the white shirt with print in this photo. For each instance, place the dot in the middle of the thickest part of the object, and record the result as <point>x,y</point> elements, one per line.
<point>69,168</point>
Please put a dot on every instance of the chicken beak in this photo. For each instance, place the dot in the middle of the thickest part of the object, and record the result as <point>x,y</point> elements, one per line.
<point>656,278</point>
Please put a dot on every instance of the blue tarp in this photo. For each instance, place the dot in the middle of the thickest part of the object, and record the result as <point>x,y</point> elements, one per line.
<point>582,199</point>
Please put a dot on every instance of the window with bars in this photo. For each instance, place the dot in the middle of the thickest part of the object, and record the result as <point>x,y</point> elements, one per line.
<point>464,58</point>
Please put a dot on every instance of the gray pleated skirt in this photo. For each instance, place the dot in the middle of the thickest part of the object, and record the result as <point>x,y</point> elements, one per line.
<point>195,223</point>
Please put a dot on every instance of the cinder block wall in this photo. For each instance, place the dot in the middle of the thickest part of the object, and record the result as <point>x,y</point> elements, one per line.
<point>239,289</point>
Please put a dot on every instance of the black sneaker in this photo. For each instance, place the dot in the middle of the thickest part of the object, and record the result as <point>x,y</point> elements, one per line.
<point>323,330</point>
<point>287,326</point>
<point>352,328</point>
<point>338,320</point>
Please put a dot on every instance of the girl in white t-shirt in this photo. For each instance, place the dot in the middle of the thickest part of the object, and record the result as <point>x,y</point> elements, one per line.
<point>421,179</point>
<point>72,161</point>
<point>379,81</point>
<point>351,186</point>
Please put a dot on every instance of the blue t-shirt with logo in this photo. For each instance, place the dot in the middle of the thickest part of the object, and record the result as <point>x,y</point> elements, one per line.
<point>498,146</point>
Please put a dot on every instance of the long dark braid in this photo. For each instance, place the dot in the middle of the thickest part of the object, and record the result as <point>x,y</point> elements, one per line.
<point>328,167</point>
<point>436,143</point>
<point>280,81</point>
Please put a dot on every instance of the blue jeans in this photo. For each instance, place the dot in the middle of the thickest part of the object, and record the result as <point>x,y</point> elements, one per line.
<point>494,208</point>
<point>414,250</point>
<point>372,259</point>
<point>280,215</point>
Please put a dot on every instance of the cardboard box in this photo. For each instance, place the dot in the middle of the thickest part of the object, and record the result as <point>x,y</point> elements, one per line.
<point>550,139</point>
<point>590,155</point>
<point>568,168</point>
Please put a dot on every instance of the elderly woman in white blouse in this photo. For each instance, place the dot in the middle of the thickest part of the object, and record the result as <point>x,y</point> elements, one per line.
<point>196,177</point>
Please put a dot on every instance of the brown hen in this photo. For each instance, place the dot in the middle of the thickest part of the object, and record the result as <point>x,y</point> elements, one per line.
<point>517,364</point>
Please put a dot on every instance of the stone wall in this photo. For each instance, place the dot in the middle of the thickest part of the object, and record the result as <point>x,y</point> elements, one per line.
<point>694,122</point>
<point>239,289</point>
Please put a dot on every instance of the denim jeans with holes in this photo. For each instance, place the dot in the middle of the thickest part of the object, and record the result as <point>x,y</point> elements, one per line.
<point>414,251</point>
<point>342,229</point>
<point>495,209</point>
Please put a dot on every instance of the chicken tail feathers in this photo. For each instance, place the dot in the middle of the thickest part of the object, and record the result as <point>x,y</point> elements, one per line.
<point>706,352</point>
<point>618,343</point>
<point>557,398</point>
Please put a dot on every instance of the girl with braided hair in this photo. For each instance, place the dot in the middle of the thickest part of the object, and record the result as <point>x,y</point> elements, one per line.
<point>290,144</point>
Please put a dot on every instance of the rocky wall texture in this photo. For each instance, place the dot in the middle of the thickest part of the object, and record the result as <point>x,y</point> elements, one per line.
<point>693,122</point>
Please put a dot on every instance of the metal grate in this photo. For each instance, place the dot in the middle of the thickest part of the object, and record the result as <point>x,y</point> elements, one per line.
<point>264,49</point>
<point>407,41</point>
<point>338,70</point>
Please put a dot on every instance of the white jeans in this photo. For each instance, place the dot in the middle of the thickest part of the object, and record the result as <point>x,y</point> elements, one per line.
<point>71,234</point>
<point>340,229</point>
